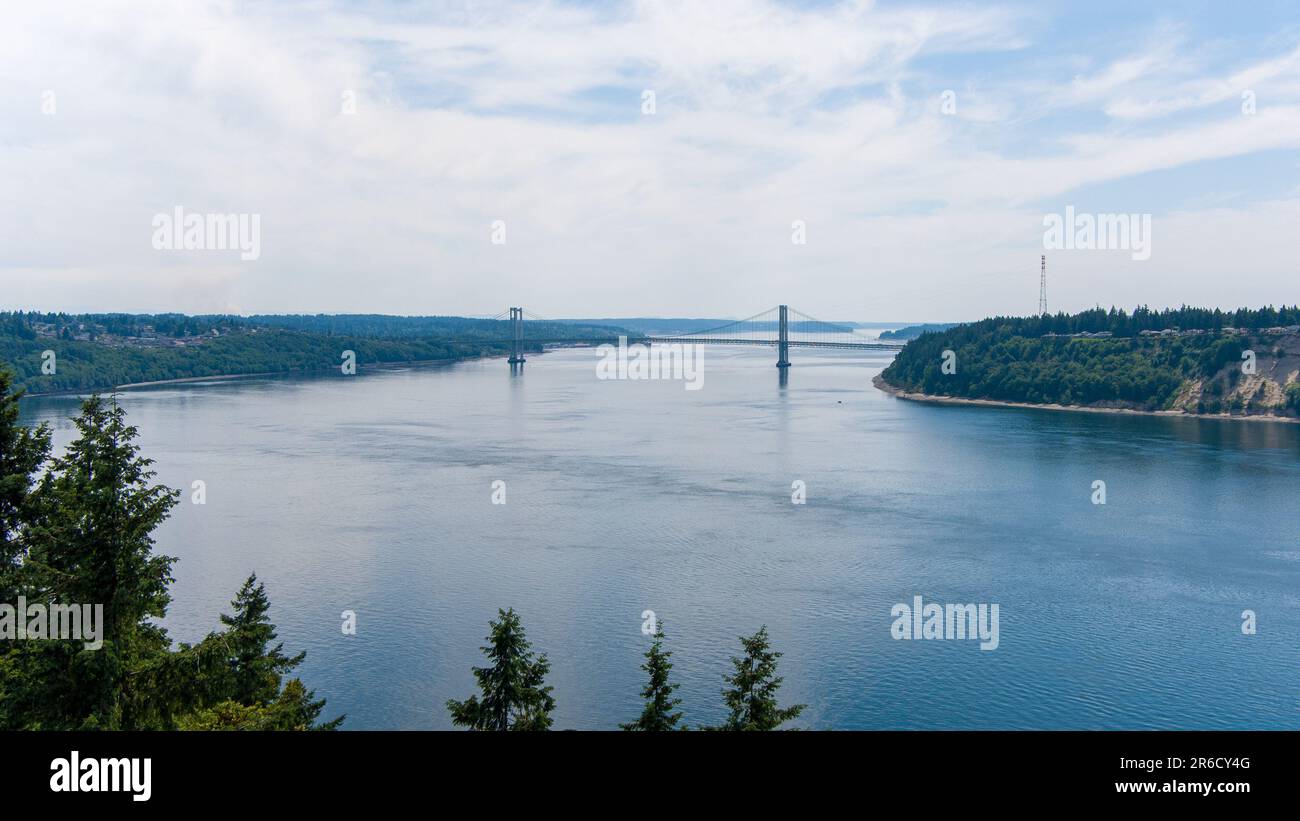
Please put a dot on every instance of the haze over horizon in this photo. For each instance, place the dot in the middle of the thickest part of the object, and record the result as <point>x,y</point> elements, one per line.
<point>915,203</point>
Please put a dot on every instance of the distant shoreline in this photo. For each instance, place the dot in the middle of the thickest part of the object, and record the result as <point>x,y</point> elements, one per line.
<point>226,377</point>
<point>933,399</point>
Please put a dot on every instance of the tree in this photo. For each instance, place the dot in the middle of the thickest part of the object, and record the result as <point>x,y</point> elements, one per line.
<point>226,715</point>
<point>256,668</point>
<point>296,708</point>
<point>91,542</point>
<point>751,696</point>
<point>255,699</point>
<point>658,715</point>
<point>22,452</point>
<point>514,694</point>
<point>82,535</point>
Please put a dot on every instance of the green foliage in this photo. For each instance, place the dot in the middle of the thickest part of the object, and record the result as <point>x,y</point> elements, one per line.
<point>227,715</point>
<point>1123,324</point>
<point>294,709</point>
<point>22,452</point>
<point>297,708</point>
<point>256,667</point>
<point>110,351</point>
<point>1009,358</point>
<point>913,331</point>
<point>753,686</point>
<point>82,534</point>
<point>514,693</point>
<point>90,541</point>
<point>1219,353</point>
<point>657,715</point>
<point>89,366</point>
<point>380,326</point>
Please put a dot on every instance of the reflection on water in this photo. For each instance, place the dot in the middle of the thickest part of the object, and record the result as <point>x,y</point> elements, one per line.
<point>372,493</point>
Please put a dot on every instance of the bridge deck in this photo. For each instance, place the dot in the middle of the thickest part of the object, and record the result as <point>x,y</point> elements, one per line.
<point>692,340</point>
<point>799,343</point>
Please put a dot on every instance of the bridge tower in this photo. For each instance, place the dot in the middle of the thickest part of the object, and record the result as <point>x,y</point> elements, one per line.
<point>783,338</point>
<point>516,336</point>
<point>1042,288</point>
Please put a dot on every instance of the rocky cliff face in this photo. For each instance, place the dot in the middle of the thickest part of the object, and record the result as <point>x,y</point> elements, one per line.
<point>1272,389</point>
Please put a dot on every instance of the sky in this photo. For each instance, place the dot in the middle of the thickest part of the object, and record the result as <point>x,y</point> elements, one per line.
<point>855,160</point>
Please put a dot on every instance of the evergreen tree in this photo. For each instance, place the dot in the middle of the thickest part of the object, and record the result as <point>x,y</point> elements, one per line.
<point>256,668</point>
<point>91,542</point>
<point>658,715</point>
<point>295,708</point>
<point>751,696</point>
<point>22,452</point>
<point>83,535</point>
<point>226,715</point>
<point>514,694</point>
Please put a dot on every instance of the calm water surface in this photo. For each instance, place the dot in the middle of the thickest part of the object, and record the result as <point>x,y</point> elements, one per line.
<point>372,493</point>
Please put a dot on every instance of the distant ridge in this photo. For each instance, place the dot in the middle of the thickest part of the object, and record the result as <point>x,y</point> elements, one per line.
<point>653,325</point>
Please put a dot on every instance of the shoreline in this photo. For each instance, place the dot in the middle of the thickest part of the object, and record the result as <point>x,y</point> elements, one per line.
<point>933,399</point>
<point>226,377</point>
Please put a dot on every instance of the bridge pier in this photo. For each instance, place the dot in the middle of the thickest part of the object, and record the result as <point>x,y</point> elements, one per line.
<point>516,336</point>
<point>783,339</point>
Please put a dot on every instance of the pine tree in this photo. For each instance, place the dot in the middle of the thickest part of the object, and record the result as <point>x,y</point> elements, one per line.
<point>752,694</point>
<point>91,543</point>
<point>226,715</point>
<point>514,694</point>
<point>297,708</point>
<point>658,715</point>
<point>83,535</point>
<point>256,668</point>
<point>22,452</point>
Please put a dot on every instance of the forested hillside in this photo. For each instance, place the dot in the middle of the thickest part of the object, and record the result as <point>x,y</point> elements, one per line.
<point>1193,360</point>
<point>95,352</point>
<point>913,331</point>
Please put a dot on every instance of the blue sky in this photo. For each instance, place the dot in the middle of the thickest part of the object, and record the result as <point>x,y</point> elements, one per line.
<point>767,114</point>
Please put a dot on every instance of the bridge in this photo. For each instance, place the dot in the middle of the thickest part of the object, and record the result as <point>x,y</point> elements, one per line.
<point>782,327</point>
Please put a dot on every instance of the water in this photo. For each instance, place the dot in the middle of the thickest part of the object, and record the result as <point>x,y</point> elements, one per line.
<point>372,493</point>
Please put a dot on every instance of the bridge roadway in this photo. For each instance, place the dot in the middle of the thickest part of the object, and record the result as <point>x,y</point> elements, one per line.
<point>694,340</point>
<point>740,332</point>
<point>811,343</point>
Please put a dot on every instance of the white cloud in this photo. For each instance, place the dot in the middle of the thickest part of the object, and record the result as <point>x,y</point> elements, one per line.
<point>1277,77</point>
<point>530,113</point>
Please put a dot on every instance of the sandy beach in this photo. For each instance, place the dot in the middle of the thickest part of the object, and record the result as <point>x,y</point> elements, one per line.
<point>954,400</point>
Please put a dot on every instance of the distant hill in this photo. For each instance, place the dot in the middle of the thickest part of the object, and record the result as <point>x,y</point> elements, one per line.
<point>97,352</point>
<point>651,325</point>
<point>383,326</point>
<point>913,331</point>
<point>1188,360</point>
<point>667,326</point>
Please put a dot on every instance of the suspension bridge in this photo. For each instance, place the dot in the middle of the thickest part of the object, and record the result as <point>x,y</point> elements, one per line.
<point>781,327</point>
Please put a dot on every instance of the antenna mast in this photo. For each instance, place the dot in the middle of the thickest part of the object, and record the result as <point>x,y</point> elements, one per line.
<point>1042,288</point>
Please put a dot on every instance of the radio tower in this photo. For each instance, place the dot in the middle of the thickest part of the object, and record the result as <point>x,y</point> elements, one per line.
<point>1042,288</point>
